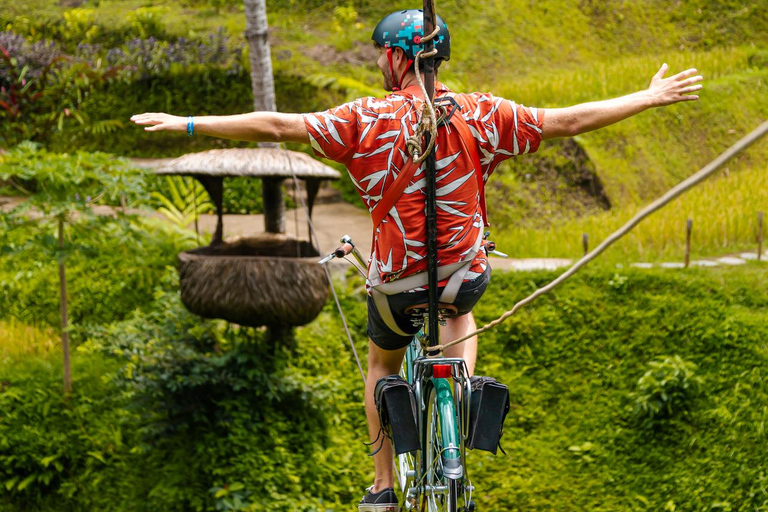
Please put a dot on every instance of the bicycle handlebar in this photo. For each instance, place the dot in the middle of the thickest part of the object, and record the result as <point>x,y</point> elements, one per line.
<point>346,248</point>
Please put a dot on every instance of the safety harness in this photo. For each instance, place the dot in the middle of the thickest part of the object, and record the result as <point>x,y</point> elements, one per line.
<point>454,272</point>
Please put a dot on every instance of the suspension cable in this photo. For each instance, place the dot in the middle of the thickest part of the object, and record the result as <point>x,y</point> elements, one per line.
<point>676,191</point>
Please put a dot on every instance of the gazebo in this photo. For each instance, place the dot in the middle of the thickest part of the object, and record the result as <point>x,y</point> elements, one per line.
<point>270,279</point>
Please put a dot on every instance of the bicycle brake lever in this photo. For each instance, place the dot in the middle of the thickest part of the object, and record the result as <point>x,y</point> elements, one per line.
<point>327,259</point>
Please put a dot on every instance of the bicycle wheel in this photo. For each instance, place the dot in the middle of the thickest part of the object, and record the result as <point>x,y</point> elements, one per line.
<point>443,468</point>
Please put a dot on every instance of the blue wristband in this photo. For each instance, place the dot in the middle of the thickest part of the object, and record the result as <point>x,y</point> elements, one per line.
<point>190,126</point>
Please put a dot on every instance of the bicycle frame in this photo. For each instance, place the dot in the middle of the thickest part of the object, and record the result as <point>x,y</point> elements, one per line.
<point>418,480</point>
<point>437,475</point>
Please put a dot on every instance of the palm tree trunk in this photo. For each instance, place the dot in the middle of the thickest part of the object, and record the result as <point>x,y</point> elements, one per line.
<point>256,32</point>
<point>263,85</point>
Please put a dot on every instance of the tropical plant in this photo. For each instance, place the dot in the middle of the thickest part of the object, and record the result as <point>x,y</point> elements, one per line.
<point>35,102</point>
<point>665,389</point>
<point>187,201</point>
<point>65,190</point>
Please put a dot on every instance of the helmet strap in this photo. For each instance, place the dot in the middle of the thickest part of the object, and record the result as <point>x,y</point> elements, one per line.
<point>397,86</point>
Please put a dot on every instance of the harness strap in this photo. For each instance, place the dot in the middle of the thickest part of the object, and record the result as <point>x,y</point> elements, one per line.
<point>393,193</point>
<point>456,272</point>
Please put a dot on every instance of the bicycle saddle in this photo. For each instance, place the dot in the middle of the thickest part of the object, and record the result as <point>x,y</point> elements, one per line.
<point>444,310</point>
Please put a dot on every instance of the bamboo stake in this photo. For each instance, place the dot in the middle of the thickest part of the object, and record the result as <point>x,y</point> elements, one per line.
<point>688,229</point>
<point>759,236</point>
<point>63,311</point>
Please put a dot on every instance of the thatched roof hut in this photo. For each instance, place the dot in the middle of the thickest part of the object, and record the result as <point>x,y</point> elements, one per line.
<point>270,279</point>
<point>272,165</point>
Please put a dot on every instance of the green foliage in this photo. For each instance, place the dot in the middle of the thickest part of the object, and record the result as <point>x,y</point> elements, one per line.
<point>79,25</point>
<point>187,200</point>
<point>54,451</point>
<point>572,361</point>
<point>62,184</point>
<point>33,106</point>
<point>666,389</point>
<point>148,21</point>
<point>198,405</point>
<point>195,89</point>
<point>113,267</point>
<point>113,257</point>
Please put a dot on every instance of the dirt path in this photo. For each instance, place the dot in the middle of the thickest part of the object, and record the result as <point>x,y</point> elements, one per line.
<point>334,220</point>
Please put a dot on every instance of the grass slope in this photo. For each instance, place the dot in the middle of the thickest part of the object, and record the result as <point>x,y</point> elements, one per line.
<point>573,362</point>
<point>545,54</point>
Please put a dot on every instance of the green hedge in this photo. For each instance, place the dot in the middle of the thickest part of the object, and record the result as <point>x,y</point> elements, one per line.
<point>197,90</point>
<point>200,409</point>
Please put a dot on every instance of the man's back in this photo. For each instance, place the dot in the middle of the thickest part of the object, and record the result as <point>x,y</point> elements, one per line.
<point>368,135</point>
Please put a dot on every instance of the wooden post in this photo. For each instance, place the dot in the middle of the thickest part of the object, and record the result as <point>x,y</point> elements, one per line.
<point>274,206</point>
<point>63,311</point>
<point>759,236</point>
<point>585,242</point>
<point>688,229</point>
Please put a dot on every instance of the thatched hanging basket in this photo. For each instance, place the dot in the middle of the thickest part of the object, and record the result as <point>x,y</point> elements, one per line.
<point>270,279</point>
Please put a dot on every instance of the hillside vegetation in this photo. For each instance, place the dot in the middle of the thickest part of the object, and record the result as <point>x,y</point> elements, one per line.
<point>543,54</point>
<point>655,400</point>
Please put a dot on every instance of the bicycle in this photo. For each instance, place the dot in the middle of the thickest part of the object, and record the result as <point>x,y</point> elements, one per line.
<point>433,478</point>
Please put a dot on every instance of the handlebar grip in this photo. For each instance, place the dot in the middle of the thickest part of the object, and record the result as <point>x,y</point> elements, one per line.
<point>343,250</point>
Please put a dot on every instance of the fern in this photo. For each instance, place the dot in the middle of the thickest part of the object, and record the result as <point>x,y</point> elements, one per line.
<point>186,201</point>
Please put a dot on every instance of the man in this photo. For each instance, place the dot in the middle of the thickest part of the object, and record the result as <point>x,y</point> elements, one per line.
<point>368,135</point>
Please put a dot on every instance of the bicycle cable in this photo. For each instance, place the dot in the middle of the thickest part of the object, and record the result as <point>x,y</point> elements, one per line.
<point>314,237</point>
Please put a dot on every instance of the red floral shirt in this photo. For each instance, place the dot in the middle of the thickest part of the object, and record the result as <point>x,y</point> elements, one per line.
<point>368,136</point>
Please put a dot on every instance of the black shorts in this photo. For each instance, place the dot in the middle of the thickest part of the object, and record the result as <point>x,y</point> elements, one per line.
<point>468,295</point>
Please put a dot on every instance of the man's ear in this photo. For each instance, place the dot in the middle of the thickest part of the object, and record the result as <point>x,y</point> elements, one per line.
<point>398,56</point>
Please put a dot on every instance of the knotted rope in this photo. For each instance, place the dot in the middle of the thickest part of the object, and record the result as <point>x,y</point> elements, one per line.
<point>678,190</point>
<point>428,121</point>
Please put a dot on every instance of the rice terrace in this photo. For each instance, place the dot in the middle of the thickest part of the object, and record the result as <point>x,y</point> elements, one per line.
<point>246,252</point>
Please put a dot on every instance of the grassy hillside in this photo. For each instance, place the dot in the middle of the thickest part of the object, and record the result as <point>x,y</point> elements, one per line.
<point>544,54</point>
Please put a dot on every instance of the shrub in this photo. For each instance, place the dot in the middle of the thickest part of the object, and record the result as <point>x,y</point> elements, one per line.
<point>32,105</point>
<point>666,389</point>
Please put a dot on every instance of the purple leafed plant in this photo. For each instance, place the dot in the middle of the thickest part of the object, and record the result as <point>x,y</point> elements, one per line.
<point>37,56</point>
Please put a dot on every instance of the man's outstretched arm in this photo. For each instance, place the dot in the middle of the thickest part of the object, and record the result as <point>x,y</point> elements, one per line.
<point>255,126</point>
<point>570,121</point>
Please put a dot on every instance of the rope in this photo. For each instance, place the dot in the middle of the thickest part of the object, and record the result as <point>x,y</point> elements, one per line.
<point>429,122</point>
<point>678,190</point>
<point>313,234</point>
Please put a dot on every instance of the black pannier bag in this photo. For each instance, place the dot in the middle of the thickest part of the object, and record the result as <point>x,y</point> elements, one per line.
<point>397,412</point>
<point>488,407</point>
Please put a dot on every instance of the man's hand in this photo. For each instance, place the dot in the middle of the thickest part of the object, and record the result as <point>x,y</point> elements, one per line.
<point>156,122</point>
<point>570,121</point>
<point>666,91</point>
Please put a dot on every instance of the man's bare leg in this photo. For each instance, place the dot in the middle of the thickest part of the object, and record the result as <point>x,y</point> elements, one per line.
<point>380,364</point>
<point>456,328</point>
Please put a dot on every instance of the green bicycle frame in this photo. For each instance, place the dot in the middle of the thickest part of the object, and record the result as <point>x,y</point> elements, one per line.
<point>447,418</point>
